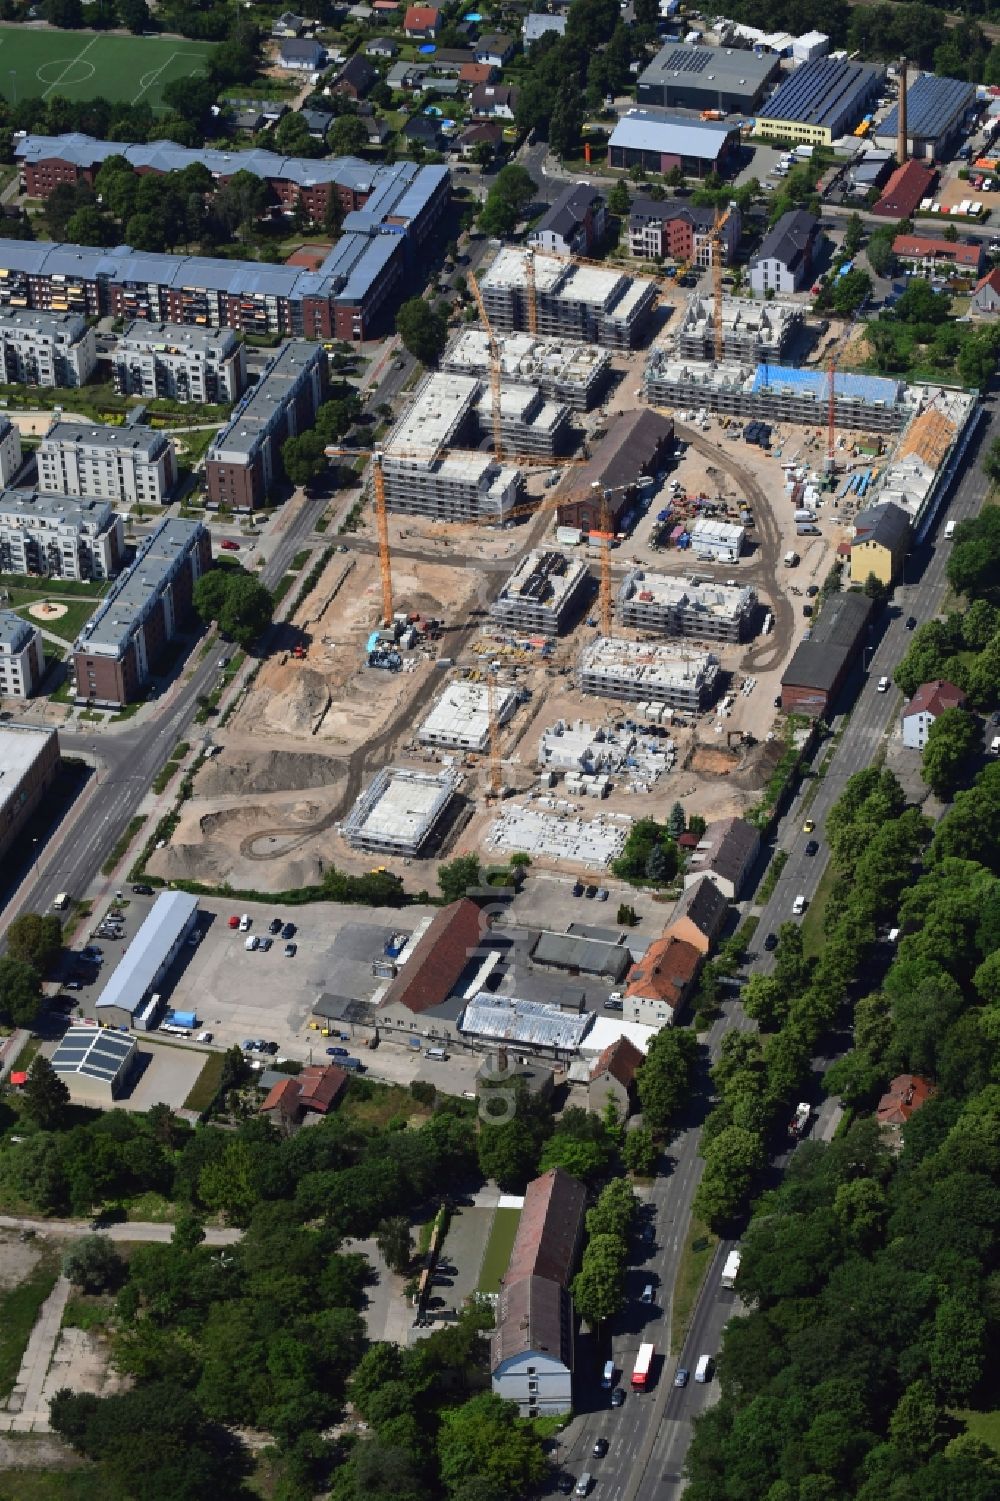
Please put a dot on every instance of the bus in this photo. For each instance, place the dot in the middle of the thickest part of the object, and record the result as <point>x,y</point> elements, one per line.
<point>731,1269</point>
<point>643,1367</point>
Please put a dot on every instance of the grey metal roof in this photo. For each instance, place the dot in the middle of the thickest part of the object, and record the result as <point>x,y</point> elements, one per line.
<point>70,327</point>
<point>19,506</point>
<point>821,91</point>
<point>676,135</point>
<point>818,662</point>
<point>135,439</point>
<point>15,633</point>
<point>95,1052</point>
<point>568,951</point>
<point>506,1019</point>
<point>728,69</point>
<point>933,107</point>
<point>255,416</point>
<point>649,210</point>
<point>146,954</point>
<point>142,336</point>
<point>118,616</point>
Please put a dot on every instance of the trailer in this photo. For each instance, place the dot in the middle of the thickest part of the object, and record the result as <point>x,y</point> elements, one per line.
<point>731,1269</point>
<point>643,1367</point>
<point>800,1119</point>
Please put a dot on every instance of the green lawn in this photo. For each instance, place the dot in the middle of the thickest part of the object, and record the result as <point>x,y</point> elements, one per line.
<point>206,1086</point>
<point>86,64</point>
<point>812,923</point>
<point>84,1484</point>
<point>68,626</point>
<point>696,1257</point>
<point>983,1425</point>
<point>498,1249</point>
<point>19,1309</point>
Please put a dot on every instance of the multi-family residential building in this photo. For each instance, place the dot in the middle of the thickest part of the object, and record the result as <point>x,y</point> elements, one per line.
<point>55,536</point>
<point>683,230</point>
<point>22,659</point>
<point>10,450</point>
<point>130,465</point>
<point>122,641</point>
<point>245,457</point>
<point>205,365</point>
<point>30,759</point>
<point>575,224</point>
<point>784,261</point>
<point>45,349</point>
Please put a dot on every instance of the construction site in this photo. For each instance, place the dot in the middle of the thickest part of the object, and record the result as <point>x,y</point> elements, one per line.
<point>751,331</point>
<point>575,374</point>
<point>543,594</point>
<point>563,298</point>
<point>667,606</point>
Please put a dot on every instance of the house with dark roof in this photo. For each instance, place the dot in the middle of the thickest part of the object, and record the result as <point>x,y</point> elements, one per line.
<point>317,122</point>
<point>907,186</point>
<point>637,443</point>
<point>660,982</point>
<point>726,853</point>
<point>300,1098</point>
<point>482,133</point>
<point>423,21</point>
<point>700,914</point>
<point>355,78</point>
<point>435,972</point>
<point>880,543</point>
<point>985,299</point>
<point>683,230</point>
<point>423,129</point>
<point>927,704</point>
<point>382,46</point>
<point>496,49</point>
<point>907,1094</point>
<point>302,54</point>
<point>613,1078</point>
<point>575,224</point>
<point>784,261</point>
<point>493,101</point>
<point>288,24</point>
<point>532,1345</point>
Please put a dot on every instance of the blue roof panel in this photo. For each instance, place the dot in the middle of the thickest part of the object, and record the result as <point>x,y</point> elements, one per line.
<point>933,107</point>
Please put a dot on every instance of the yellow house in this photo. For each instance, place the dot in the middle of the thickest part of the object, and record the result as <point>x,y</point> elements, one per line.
<point>880,543</point>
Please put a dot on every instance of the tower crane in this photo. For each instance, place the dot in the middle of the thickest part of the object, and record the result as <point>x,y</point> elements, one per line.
<point>836,354</point>
<point>715,242</point>
<point>494,353</point>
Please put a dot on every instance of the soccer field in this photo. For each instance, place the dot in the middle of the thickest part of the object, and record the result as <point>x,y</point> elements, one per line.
<point>88,64</point>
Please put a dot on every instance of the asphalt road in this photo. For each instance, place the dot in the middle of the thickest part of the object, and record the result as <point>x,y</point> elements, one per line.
<point>649,1436</point>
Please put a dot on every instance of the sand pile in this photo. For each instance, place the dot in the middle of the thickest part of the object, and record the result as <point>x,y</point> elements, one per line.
<point>234,774</point>
<point>300,707</point>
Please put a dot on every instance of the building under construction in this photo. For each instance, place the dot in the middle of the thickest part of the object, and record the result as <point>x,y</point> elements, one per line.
<point>400,812</point>
<point>661,673</point>
<point>588,303</point>
<point>751,331</point>
<point>574,374</point>
<point>543,594</point>
<point>460,719</point>
<point>700,607</point>
<point>777,393</point>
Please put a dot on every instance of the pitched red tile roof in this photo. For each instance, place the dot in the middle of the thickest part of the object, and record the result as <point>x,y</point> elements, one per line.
<point>934,697</point>
<point>421,17</point>
<point>439,957</point>
<point>906,187</point>
<point>912,246</point>
<point>283,1096</point>
<point>476,72</point>
<point>904,1097</point>
<point>620,1060</point>
<point>548,1230</point>
<point>664,972</point>
<point>992,279</point>
<point>316,1088</point>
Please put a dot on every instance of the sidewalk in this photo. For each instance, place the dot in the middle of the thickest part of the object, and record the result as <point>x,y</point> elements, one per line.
<point>26,1411</point>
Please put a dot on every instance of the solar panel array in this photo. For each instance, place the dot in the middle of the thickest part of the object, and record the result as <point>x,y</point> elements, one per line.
<point>819,92</point>
<point>92,1051</point>
<point>684,60</point>
<point>933,107</point>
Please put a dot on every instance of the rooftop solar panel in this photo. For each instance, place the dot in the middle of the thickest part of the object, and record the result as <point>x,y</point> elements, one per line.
<point>818,93</point>
<point>933,106</point>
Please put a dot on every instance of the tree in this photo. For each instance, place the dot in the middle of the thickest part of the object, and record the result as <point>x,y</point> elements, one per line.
<point>664,1079</point>
<point>459,877</point>
<point>566,122</point>
<point>951,739</point>
<point>347,136</point>
<point>243,200</point>
<point>850,291</point>
<point>66,14</point>
<point>19,992</point>
<point>676,821</point>
<point>619,199</point>
<point>599,1285</point>
<point>731,1161</point>
<point>640,1152</point>
<point>134,14</point>
<point>93,1264</point>
<point>991,461</point>
<point>395,1243</point>
<point>237,601</point>
<point>304,457</point>
<point>423,330</point>
<point>485,1438</point>
<point>880,253</point>
<point>35,940</point>
<point>507,200</point>
<point>853,235</point>
<point>45,1095</point>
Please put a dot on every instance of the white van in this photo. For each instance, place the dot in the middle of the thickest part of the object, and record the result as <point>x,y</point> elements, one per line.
<point>703,1370</point>
<point>61,902</point>
<point>438,1054</point>
<point>583,1484</point>
<point>883,685</point>
<point>608,1379</point>
<point>798,906</point>
<point>949,531</point>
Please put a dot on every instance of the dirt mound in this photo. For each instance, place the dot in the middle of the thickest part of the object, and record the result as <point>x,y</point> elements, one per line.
<point>300,708</point>
<point>218,864</point>
<point>251,819</point>
<point>759,764</point>
<point>234,774</point>
<point>713,761</point>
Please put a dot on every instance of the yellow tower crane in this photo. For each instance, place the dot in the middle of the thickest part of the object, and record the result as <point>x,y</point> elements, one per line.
<point>494,352</point>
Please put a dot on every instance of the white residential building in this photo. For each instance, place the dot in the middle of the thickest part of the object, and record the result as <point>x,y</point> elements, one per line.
<point>58,536</point>
<point>204,365</point>
<point>22,659</point>
<point>130,465</point>
<point>10,451</point>
<point>45,349</point>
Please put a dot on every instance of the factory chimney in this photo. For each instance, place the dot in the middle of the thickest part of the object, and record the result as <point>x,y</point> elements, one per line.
<point>901,141</point>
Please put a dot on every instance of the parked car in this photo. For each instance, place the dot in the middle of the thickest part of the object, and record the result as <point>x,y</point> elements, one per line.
<point>234,921</point>
<point>274,926</point>
<point>228,545</point>
<point>578,888</point>
<point>265,944</point>
<point>244,923</point>
<point>143,890</point>
<point>291,949</point>
<point>204,1037</point>
<point>590,892</point>
<point>338,1052</point>
<point>288,931</point>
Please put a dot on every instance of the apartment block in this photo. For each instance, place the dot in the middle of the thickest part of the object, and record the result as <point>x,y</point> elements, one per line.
<point>55,536</point>
<point>203,365</point>
<point>244,461</point>
<point>22,658</point>
<point>30,760</point>
<point>543,593</point>
<point>586,303</point>
<point>750,330</point>
<point>129,465</point>
<point>670,606</point>
<point>120,645</point>
<point>574,374</point>
<point>10,450</point>
<point>678,228</point>
<point>653,672</point>
<point>45,349</point>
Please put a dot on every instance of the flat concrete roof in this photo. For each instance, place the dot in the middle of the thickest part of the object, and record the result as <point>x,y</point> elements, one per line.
<point>440,406</point>
<point>93,435</point>
<point>659,662</point>
<point>536,565</point>
<point>401,806</point>
<point>671,592</point>
<point>724,68</point>
<point>462,712</point>
<point>18,506</point>
<point>548,829</point>
<point>20,748</point>
<point>523,357</point>
<point>590,284</point>
<point>176,338</point>
<point>15,631</point>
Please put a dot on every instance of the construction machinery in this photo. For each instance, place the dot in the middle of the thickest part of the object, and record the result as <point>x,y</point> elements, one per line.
<point>716,258</point>
<point>494,352</point>
<point>554,255</point>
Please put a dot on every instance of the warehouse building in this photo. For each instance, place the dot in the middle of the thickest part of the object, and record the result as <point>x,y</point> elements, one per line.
<point>659,142</point>
<point>659,673</point>
<point>29,759</point>
<point>822,100</point>
<point>682,230</point>
<point>588,303</point>
<point>638,444</point>
<point>243,462</point>
<point>750,330</point>
<point>143,967</point>
<point>22,657</point>
<point>573,374</point>
<point>937,111</point>
<point>119,647</point>
<point>728,79</point>
<point>401,811</point>
<point>96,1065</point>
<point>132,465</point>
<point>776,393</point>
<point>528,1026</point>
<point>460,718</point>
<point>204,365</point>
<point>424,475</point>
<point>543,594</point>
<point>45,349</point>
<point>55,536</point>
<point>671,606</point>
<point>819,665</point>
<point>10,450</point>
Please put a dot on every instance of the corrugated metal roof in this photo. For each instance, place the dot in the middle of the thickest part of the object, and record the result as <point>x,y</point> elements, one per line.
<point>506,1019</point>
<point>674,135</point>
<point>131,981</point>
<point>933,107</point>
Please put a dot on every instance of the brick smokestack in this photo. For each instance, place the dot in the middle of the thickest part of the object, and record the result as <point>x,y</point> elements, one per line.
<point>901,141</point>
